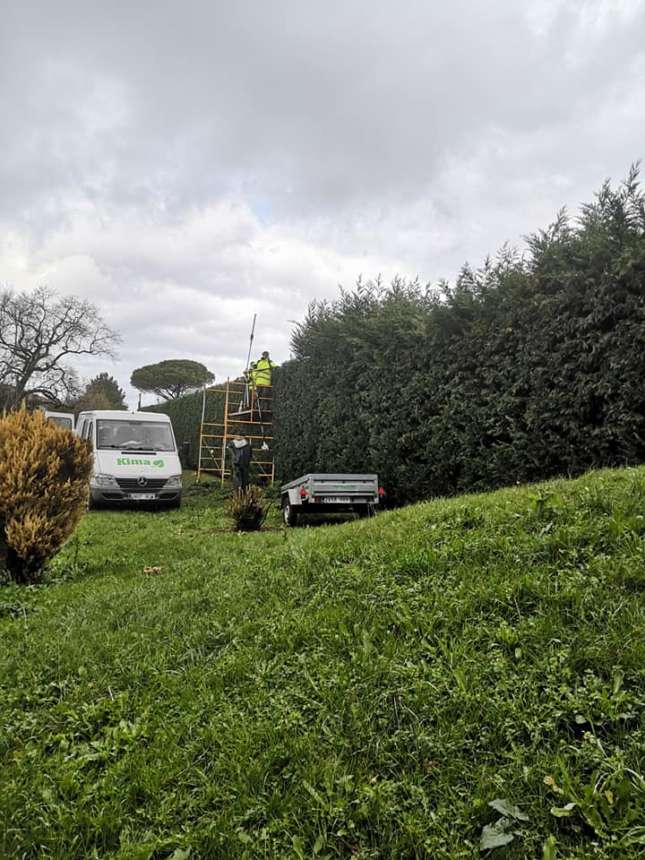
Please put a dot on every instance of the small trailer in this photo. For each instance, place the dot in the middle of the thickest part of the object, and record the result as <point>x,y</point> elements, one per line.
<point>330,494</point>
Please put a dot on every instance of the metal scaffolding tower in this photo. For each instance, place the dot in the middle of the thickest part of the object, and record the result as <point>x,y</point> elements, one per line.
<point>247,412</point>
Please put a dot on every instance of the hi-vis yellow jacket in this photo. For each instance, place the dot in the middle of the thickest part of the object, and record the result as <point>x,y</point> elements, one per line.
<point>262,371</point>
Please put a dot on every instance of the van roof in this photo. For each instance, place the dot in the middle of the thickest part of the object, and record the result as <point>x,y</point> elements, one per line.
<point>116,414</point>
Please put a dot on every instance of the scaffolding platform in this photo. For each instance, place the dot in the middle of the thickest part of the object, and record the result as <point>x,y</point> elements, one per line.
<point>245,413</point>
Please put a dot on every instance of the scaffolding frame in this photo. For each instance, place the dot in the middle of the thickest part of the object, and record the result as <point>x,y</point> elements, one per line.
<point>252,411</point>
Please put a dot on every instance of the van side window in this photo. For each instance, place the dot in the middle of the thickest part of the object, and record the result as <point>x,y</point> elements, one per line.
<point>88,432</point>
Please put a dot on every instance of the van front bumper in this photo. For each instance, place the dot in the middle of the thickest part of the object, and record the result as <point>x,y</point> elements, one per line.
<point>114,495</point>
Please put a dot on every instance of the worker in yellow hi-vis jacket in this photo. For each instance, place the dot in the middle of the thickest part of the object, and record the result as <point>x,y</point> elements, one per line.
<point>261,380</point>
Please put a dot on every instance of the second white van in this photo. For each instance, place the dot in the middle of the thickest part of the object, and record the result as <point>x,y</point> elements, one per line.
<point>135,458</point>
<point>63,419</point>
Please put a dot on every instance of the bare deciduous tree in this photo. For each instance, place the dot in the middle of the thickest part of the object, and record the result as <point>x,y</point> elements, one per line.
<point>39,332</point>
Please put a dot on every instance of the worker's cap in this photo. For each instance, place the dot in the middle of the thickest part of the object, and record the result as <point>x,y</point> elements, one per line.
<point>266,352</point>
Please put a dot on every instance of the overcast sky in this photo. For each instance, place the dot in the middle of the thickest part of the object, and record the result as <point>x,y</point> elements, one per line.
<point>186,164</point>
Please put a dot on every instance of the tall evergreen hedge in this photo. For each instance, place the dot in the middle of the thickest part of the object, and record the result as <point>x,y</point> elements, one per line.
<point>529,367</point>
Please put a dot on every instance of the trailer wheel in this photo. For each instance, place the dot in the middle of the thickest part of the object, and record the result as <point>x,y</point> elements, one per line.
<point>289,516</point>
<point>365,511</point>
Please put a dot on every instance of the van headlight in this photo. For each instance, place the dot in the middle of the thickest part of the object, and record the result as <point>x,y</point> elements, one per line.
<point>104,481</point>
<point>174,482</point>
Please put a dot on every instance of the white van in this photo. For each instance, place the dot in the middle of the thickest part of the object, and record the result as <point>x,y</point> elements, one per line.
<point>63,419</point>
<point>135,457</point>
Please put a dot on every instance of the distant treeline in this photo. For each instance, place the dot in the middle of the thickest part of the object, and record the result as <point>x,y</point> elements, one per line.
<point>530,367</point>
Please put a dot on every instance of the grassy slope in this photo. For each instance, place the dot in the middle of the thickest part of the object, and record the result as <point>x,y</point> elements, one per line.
<point>361,690</point>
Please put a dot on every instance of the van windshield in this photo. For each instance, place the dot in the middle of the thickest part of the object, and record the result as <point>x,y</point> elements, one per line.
<point>134,435</point>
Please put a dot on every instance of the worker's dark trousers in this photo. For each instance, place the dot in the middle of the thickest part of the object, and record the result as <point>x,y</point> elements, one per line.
<point>263,401</point>
<point>240,477</point>
<point>264,398</point>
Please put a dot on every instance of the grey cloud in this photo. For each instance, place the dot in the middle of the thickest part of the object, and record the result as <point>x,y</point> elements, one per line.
<point>311,104</point>
<point>183,164</point>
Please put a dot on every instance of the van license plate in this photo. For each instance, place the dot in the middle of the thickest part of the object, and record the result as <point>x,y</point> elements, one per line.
<point>337,500</point>
<point>143,497</point>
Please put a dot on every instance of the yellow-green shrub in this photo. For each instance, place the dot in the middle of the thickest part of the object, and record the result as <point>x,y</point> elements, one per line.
<point>44,482</point>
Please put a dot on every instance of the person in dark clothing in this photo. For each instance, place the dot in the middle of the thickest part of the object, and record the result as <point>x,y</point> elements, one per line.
<point>241,453</point>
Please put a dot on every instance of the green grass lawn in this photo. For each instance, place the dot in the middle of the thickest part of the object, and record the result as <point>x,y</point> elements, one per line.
<point>363,690</point>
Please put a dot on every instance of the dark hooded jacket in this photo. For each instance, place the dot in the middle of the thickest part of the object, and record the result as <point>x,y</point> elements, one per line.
<point>241,454</point>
